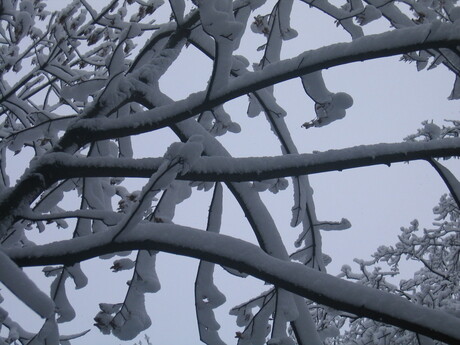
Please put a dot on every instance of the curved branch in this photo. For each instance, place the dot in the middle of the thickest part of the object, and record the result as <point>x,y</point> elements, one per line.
<point>449,179</point>
<point>221,249</point>
<point>390,43</point>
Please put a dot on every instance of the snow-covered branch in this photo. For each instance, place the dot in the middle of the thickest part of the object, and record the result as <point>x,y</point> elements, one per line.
<point>249,258</point>
<point>80,85</point>
<point>230,169</point>
<point>365,48</point>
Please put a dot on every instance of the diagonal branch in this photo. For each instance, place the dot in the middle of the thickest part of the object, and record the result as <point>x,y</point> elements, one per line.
<point>391,43</point>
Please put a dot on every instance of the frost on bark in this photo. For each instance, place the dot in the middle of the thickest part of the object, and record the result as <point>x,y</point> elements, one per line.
<point>80,85</point>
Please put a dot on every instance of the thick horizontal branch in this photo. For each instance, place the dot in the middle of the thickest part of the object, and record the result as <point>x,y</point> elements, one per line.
<point>228,169</point>
<point>390,43</point>
<point>246,257</point>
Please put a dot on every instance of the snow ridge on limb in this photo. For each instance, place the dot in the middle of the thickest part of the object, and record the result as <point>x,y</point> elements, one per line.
<point>310,254</point>
<point>278,126</point>
<point>117,318</point>
<point>221,249</point>
<point>178,159</point>
<point>24,288</point>
<point>257,326</point>
<point>342,15</point>
<point>277,29</point>
<point>329,106</point>
<point>426,14</point>
<point>258,216</point>
<point>218,21</point>
<point>365,48</point>
<point>164,211</point>
<point>276,309</point>
<point>285,311</point>
<point>58,290</point>
<point>207,295</point>
<point>127,319</point>
<point>256,212</point>
<point>212,168</point>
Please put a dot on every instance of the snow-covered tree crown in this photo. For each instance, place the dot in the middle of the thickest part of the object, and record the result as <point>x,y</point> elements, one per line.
<point>435,284</point>
<point>80,85</point>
